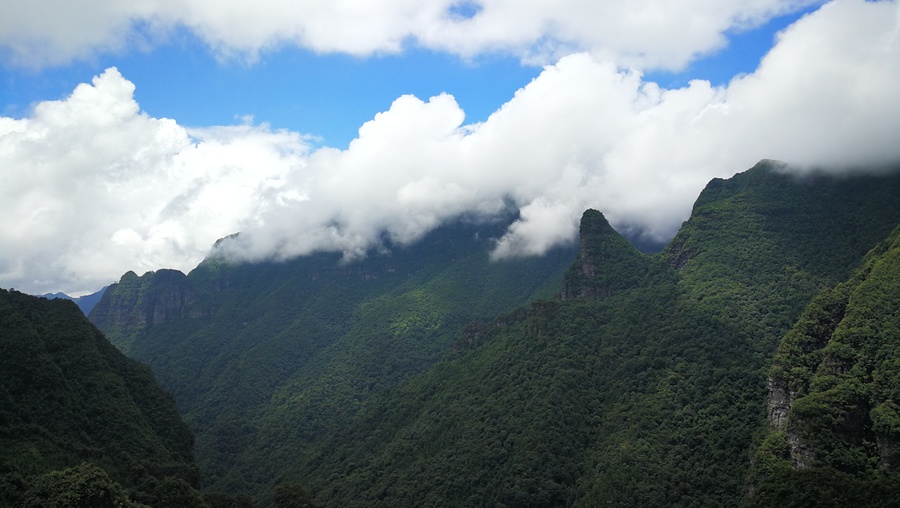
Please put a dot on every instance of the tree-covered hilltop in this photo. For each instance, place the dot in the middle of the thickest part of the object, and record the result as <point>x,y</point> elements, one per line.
<point>80,423</point>
<point>267,360</point>
<point>834,395</point>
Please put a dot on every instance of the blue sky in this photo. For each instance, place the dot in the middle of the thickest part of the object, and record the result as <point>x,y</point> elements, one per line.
<point>330,95</point>
<point>133,136</point>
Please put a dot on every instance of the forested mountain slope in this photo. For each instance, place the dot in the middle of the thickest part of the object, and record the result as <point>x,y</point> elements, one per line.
<point>80,423</point>
<point>644,386</point>
<point>834,390</point>
<point>640,380</point>
<point>267,360</point>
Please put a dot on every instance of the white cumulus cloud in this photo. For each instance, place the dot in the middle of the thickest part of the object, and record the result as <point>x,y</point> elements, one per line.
<point>646,33</point>
<point>91,186</point>
<point>94,187</point>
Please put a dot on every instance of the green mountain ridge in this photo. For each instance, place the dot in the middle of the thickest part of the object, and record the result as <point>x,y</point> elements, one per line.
<point>432,377</point>
<point>80,423</point>
<point>649,396</point>
<point>265,358</point>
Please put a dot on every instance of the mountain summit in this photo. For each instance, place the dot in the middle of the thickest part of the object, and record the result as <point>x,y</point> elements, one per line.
<point>606,264</point>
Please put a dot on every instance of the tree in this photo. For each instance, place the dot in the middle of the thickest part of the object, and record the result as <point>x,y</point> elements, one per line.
<point>85,485</point>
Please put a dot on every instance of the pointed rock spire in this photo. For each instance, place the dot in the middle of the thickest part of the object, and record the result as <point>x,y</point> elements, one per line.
<point>606,264</point>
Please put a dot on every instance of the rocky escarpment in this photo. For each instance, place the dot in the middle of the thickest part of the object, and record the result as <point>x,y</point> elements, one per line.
<point>606,264</point>
<point>150,299</point>
<point>797,361</point>
<point>136,303</point>
<point>834,386</point>
<point>780,400</point>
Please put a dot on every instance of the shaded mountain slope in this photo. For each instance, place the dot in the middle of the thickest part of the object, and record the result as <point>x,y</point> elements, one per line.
<point>69,397</point>
<point>268,359</point>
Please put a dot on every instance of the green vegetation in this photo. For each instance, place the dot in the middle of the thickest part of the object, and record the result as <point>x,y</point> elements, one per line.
<point>393,382</point>
<point>267,360</point>
<point>838,371</point>
<point>80,423</point>
<point>606,264</point>
<point>648,394</point>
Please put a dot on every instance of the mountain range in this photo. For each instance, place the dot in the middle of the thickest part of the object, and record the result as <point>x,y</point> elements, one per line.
<point>85,303</point>
<point>753,361</point>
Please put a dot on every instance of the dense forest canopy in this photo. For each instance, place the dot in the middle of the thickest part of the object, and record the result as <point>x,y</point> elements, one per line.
<point>80,423</point>
<point>753,361</point>
<point>834,388</point>
<point>645,385</point>
<point>266,360</point>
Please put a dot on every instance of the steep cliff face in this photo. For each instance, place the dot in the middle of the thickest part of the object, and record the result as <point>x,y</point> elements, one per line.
<point>171,296</point>
<point>834,386</point>
<point>137,303</point>
<point>606,264</point>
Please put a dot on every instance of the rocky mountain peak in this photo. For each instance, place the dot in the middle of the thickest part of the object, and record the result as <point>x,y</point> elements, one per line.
<point>607,263</point>
<point>140,302</point>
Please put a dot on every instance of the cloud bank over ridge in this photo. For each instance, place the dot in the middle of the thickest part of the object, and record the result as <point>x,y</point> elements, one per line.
<point>94,187</point>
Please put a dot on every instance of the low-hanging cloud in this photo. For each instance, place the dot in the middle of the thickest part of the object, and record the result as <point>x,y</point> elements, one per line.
<point>94,187</point>
<point>650,33</point>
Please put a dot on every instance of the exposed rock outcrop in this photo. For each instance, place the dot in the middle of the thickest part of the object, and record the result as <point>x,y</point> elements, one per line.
<point>606,264</point>
<point>779,408</point>
<point>833,384</point>
<point>779,403</point>
<point>137,303</point>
